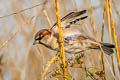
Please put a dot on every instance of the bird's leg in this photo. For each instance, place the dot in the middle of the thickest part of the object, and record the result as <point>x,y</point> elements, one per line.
<point>57,53</point>
<point>59,41</point>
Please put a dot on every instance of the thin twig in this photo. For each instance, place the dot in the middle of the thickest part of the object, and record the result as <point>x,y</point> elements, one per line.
<point>115,8</point>
<point>48,66</point>
<point>24,10</point>
<point>48,19</point>
<point>107,63</point>
<point>103,21</point>
<point>75,5</point>
<point>61,44</point>
<point>92,21</point>
<point>13,36</point>
<point>110,68</point>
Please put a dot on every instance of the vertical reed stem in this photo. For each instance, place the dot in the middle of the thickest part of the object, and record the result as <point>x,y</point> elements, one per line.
<point>61,44</point>
<point>114,35</point>
<point>102,33</point>
<point>110,34</point>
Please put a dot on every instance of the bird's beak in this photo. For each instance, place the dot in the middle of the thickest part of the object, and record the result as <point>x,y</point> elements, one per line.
<point>35,42</point>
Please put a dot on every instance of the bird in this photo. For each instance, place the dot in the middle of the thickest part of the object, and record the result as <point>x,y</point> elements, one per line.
<point>74,41</point>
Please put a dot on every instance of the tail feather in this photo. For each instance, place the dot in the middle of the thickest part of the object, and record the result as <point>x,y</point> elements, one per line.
<point>107,48</point>
<point>108,45</point>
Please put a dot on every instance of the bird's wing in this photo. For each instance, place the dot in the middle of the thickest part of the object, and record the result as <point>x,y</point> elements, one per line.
<point>70,19</point>
<point>78,36</point>
<point>81,38</point>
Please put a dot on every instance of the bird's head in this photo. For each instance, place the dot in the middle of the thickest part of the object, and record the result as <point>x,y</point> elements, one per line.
<point>42,37</point>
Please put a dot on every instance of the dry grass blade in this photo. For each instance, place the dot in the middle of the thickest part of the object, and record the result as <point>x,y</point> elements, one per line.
<point>74,3</point>
<point>61,44</point>
<point>103,21</point>
<point>110,68</point>
<point>1,68</point>
<point>110,34</point>
<point>48,19</point>
<point>14,35</point>
<point>20,11</point>
<point>48,66</point>
<point>108,63</point>
<point>92,21</point>
<point>114,36</point>
<point>117,11</point>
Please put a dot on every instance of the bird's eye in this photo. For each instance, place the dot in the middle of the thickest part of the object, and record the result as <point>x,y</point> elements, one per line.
<point>39,37</point>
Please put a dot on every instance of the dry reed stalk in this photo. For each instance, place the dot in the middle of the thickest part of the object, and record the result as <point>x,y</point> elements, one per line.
<point>61,44</point>
<point>117,11</point>
<point>19,30</point>
<point>108,63</point>
<point>108,19</point>
<point>92,21</point>
<point>94,31</point>
<point>63,6</point>
<point>75,5</point>
<point>35,19</point>
<point>48,66</point>
<point>1,68</point>
<point>103,22</point>
<point>34,24</point>
<point>13,36</point>
<point>114,35</point>
<point>110,68</point>
<point>24,10</point>
<point>110,34</point>
<point>48,19</point>
<point>7,41</point>
<point>102,36</point>
<point>16,50</point>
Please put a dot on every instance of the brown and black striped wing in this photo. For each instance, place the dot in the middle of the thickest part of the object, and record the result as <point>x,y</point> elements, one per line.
<point>70,19</point>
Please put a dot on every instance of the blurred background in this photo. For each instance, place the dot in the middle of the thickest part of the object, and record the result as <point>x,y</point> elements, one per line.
<point>21,60</point>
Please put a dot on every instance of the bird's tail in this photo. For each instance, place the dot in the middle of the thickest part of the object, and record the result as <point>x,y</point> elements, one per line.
<point>107,48</point>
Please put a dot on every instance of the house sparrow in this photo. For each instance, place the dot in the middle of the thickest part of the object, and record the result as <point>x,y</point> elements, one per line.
<point>74,42</point>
